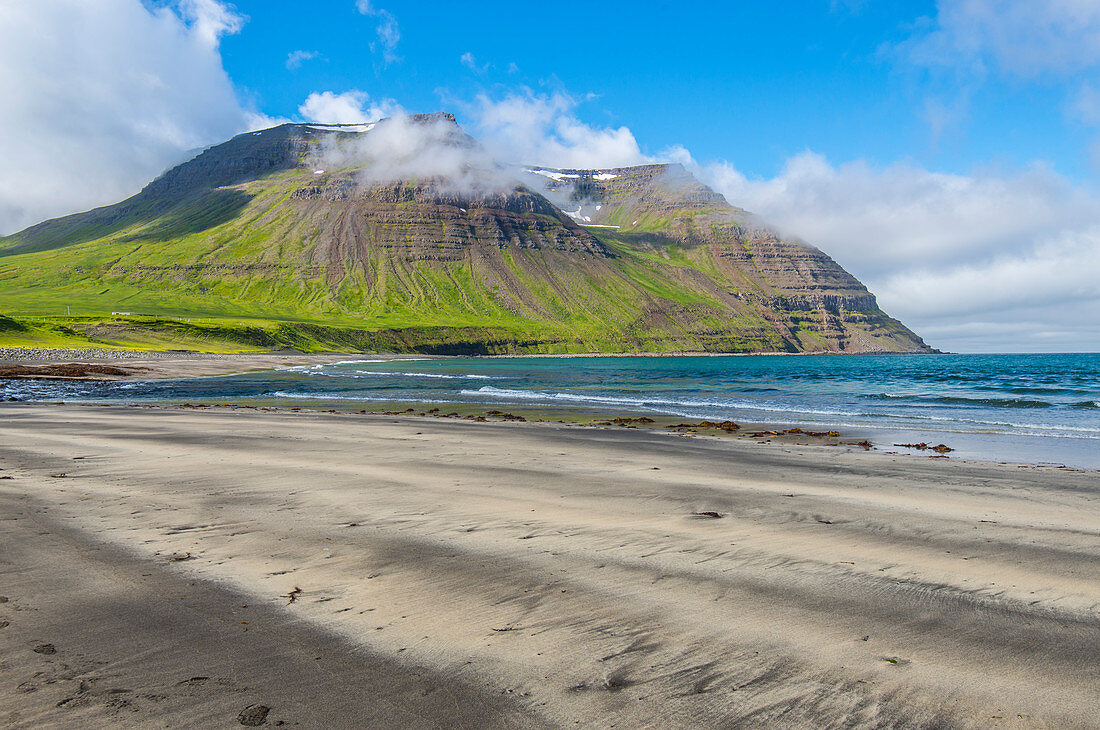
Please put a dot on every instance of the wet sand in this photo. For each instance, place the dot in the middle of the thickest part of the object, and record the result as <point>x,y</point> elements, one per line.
<point>368,571</point>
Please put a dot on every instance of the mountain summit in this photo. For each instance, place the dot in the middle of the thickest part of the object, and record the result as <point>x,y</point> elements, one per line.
<point>406,235</point>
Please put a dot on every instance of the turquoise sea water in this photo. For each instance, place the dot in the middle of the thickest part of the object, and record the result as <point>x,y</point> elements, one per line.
<point>1030,408</point>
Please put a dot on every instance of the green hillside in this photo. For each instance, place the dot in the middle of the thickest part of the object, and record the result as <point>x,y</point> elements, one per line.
<point>250,247</point>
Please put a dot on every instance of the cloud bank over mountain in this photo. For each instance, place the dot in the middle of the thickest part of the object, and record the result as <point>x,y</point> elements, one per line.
<point>984,261</point>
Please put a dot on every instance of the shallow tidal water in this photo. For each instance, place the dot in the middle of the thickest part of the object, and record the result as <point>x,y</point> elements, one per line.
<point>1019,408</point>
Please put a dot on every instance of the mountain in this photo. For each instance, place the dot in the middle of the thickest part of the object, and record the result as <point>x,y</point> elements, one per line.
<point>406,235</point>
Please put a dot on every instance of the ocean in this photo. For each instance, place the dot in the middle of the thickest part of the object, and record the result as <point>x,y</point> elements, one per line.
<point>1019,408</point>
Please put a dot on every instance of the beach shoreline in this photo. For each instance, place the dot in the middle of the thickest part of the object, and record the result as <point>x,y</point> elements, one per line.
<point>28,355</point>
<point>560,574</point>
<point>1063,452</point>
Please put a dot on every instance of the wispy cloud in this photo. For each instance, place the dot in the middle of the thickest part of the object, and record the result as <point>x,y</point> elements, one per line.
<point>470,61</point>
<point>967,44</point>
<point>295,59</point>
<point>1022,38</point>
<point>389,34</point>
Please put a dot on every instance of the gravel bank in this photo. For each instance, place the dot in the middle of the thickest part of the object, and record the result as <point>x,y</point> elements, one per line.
<point>45,354</point>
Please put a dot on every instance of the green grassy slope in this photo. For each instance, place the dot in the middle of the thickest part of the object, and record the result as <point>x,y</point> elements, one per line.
<point>286,258</point>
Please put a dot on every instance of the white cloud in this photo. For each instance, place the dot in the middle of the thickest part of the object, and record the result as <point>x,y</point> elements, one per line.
<point>388,31</point>
<point>1025,38</point>
<point>349,107</point>
<point>544,129</point>
<point>1056,269</point>
<point>329,108</point>
<point>295,59</point>
<point>210,19</point>
<point>941,251</point>
<point>100,96</point>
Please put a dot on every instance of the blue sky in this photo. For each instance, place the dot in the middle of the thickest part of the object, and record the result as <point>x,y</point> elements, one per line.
<point>753,83</point>
<point>946,152</point>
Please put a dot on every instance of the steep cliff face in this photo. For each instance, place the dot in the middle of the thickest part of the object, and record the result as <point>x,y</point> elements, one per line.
<point>305,223</point>
<point>423,220</point>
<point>664,204</point>
<point>809,298</point>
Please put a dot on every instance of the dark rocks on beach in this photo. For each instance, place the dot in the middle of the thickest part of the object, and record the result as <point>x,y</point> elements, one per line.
<point>502,416</point>
<point>922,446</point>
<point>727,426</point>
<point>64,371</point>
<point>643,420</point>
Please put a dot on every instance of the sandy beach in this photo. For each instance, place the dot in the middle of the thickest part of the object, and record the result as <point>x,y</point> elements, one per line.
<point>164,567</point>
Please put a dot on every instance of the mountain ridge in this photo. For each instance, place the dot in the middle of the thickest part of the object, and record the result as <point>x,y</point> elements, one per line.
<point>306,226</point>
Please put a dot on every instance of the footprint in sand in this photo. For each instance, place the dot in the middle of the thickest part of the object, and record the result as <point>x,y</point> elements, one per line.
<point>44,649</point>
<point>253,715</point>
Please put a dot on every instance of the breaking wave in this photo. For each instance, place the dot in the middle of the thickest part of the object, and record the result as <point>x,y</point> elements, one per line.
<point>347,397</point>
<point>644,403</point>
<point>961,401</point>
